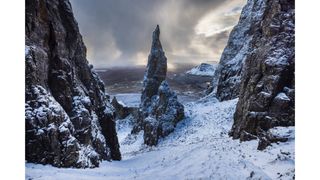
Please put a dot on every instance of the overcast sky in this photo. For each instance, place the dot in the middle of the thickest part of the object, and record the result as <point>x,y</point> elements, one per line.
<point>118,32</point>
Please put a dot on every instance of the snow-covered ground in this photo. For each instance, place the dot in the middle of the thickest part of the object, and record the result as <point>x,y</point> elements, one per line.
<point>133,99</point>
<point>199,148</point>
<point>130,99</point>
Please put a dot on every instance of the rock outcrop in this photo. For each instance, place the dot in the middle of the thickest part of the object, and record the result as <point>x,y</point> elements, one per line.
<point>227,77</point>
<point>267,90</point>
<point>69,120</point>
<point>159,109</point>
<point>121,110</point>
<point>203,69</point>
<point>156,72</point>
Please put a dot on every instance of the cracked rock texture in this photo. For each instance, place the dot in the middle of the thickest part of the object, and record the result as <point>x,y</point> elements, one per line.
<point>69,120</point>
<point>267,88</point>
<point>159,109</point>
<point>240,44</point>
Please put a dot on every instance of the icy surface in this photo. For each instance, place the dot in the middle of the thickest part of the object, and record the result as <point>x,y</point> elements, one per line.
<point>203,70</point>
<point>199,148</point>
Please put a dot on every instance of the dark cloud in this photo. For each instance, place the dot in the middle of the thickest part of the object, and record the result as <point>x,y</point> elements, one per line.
<point>118,32</point>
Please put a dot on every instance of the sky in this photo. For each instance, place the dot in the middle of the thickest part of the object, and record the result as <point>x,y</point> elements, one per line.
<point>119,32</point>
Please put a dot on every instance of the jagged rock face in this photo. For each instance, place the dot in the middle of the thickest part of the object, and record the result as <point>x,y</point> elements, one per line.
<point>121,110</point>
<point>156,71</point>
<point>228,74</point>
<point>159,109</point>
<point>69,120</point>
<point>166,112</point>
<point>267,90</point>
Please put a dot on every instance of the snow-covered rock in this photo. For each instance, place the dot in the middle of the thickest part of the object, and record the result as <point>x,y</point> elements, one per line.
<point>203,69</point>
<point>199,148</point>
<point>227,78</point>
<point>122,110</point>
<point>166,112</point>
<point>266,97</point>
<point>69,120</point>
<point>159,109</point>
<point>156,72</point>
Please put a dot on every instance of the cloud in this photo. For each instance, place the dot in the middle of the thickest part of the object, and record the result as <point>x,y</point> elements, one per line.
<point>119,32</point>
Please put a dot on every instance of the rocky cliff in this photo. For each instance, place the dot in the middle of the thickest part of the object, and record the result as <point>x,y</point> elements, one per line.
<point>265,60</point>
<point>159,109</point>
<point>69,120</point>
<point>228,74</point>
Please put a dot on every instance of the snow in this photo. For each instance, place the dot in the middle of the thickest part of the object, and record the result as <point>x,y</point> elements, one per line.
<point>40,131</point>
<point>85,153</point>
<point>27,50</point>
<point>63,128</point>
<point>203,70</point>
<point>265,94</point>
<point>108,110</point>
<point>96,129</point>
<point>129,99</point>
<point>100,70</point>
<point>130,144</point>
<point>46,105</point>
<point>122,103</point>
<point>198,148</point>
<point>282,96</point>
<point>287,132</point>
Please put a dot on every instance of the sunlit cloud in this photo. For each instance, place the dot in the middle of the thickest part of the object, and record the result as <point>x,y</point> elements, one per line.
<point>118,33</point>
<point>220,20</point>
<point>141,59</point>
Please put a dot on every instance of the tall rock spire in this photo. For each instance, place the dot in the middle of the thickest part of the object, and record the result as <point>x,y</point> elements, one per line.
<point>159,109</point>
<point>156,44</point>
<point>156,69</point>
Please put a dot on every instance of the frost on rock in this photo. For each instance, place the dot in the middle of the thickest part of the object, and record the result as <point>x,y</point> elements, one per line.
<point>159,110</point>
<point>67,109</point>
<point>88,157</point>
<point>52,138</point>
<point>226,81</point>
<point>267,88</point>
<point>49,131</point>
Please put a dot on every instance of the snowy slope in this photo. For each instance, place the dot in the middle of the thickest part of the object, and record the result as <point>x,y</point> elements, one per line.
<point>199,148</point>
<point>203,69</point>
